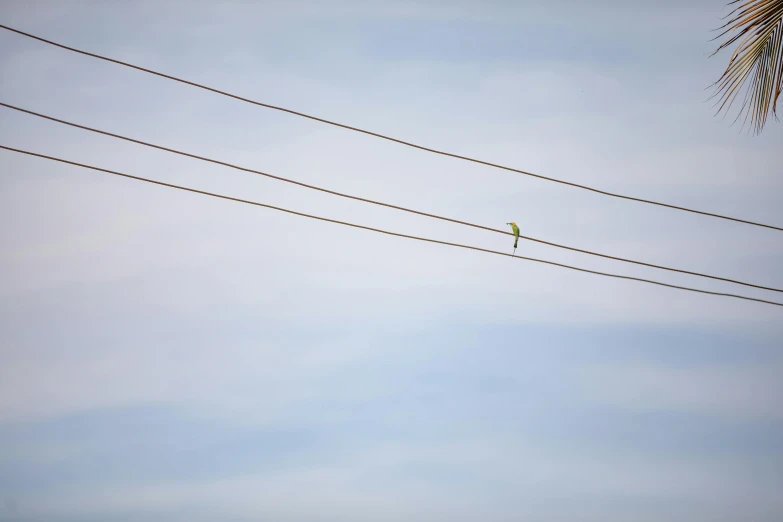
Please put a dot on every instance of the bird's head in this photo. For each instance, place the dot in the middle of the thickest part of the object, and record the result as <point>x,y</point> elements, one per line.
<point>512,223</point>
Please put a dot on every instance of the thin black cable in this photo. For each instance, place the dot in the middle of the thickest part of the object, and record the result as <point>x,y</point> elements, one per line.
<point>458,245</point>
<point>389,138</point>
<point>435,216</point>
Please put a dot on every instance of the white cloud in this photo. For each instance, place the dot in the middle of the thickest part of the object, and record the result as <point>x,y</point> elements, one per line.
<point>385,483</point>
<point>735,391</point>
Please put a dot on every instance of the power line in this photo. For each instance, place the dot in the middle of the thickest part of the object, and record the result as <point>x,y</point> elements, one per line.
<point>389,138</point>
<point>365,200</point>
<point>428,240</point>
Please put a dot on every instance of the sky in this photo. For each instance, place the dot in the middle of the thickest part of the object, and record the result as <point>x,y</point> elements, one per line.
<point>169,356</point>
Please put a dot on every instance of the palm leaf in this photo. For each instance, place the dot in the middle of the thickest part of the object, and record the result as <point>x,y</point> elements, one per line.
<point>758,60</point>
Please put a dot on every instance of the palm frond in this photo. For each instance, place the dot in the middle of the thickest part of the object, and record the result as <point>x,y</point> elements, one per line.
<point>757,61</point>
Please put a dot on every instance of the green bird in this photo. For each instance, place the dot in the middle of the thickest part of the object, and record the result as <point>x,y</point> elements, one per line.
<point>515,228</point>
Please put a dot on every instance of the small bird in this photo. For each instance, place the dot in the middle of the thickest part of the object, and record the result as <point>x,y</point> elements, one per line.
<point>515,228</point>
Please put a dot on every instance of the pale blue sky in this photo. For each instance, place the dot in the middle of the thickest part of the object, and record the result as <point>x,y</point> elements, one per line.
<point>166,356</point>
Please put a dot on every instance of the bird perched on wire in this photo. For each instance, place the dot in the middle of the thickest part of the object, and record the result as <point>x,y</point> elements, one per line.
<point>515,228</point>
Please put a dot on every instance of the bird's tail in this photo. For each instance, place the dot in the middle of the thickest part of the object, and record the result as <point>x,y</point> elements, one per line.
<point>515,243</point>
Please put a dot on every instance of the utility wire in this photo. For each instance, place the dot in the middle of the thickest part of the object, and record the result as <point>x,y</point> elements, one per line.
<point>147,144</point>
<point>458,245</point>
<point>389,138</point>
